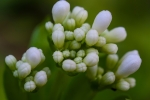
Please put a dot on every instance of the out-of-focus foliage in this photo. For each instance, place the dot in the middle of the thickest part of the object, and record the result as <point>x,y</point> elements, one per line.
<point>19,18</point>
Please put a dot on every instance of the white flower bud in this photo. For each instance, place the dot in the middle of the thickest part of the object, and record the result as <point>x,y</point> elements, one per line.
<point>24,70</point>
<point>78,60</point>
<point>15,73</point>
<point>101,41</point>
<point>66,53</point>
<point>24,57</point>
<point>110,48</point>
<point>75,45</point>
<point>58,38</point>
<point>85,27</point>
<point>58,56</point>
<point>49,26</point>
<point>90,50</point>
<point>81,67</point>
<point>10,61</point>
<point>60,11</point>
<point>122,85</point>
<point>80,15</point>
<point>33,56</point>
<point>111,61</point>
<point>42,56</point>
<point>40,78</point>
<point>70,24</point>
<point>72,54</point>
<point>91,37</point>
<point>100,71</point>
<point>79,34</point>
<point>128,64</point>
<point>19,63</point>
<point>69,65</point>
<point>91,72</point>
<point>81,53</point>
<point>91,59</point>
<point>108,78</point>
<point>131,81</point>
<point>69,35</point>
<point>47,70</point>
<point>102,21</point>
<point>58,27</point>
<point>29,86</point>
<point>115,35</point>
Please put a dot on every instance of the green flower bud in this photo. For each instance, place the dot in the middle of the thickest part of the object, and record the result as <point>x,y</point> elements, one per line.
<point>24,70</point>
<point>49,26</point>
<point>91,59</point>
<point>131,81</point>
<point>91,37</point>
<point>91,72</point>
<point>29,78</point>
<point>79,34</point>
<point>78,60</point>
<point>19,63</point>
<point>122,85</point>
<point>15,73</point>
<point>108,78</point>
<point>85,27</point>
<point>58,56</point>
<point>42,56</point>
<point>40,78</point>
<point>90,50</point>
<point>69,35</point>
<point>69,65</point>
<point>100,71</point>
<point>29,86</point>
<point>47,70</point>
<point>111,61</point>
<point>58,27</point>
<point>60,11</point>
<point>80,15</point>
<point>24,57</point>
<point>81,53</point>
<point>66,53</point>
<point>10,61</point>
<point>101,41</point>
<point>70,24</point>
<point>75,45</point>
<point>58,38</point>
<point>81,67</point>
<point>110,48</point>
<point>72,54</point>
<point>102,21</point>
<point>33,56</point>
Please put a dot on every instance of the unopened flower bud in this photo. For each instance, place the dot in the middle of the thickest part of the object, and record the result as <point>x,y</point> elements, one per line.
<point>60,11</point>
<point>49,26</point>
<point>128,64</point>
<point>80,15</point>
<point>122,85</point>
<point>58,38</point>
<point>42,56</point>
<point>24,70</point>
<point>110,48</point>
<point>78,60</point>
<point>29,78</point>
<point>81,67</point>
<point>70,24</point>
<point>108,78</point>
<point>29,86</point>
<point>47,70</point>
<point>19,63</point>
<point>75,45</point>
<point>69,65</point>
<point>15,73</point>
<point>91,72</point>
<point>79,34</point>
<point>33,56</point>
<point>101,41</point>
<point>24,57</point>
<point>131,81</point>
<point>81,53</point>
<point>10,61</point>
<point>66,53</point>
<point>102,21</point>
<point>90,50</point>
<point>115,35</point>
<point>58,27</point>
<point>40,78</point>
<point>85,27</point>
<point>91,59</point>
<point>111,61</point>
<point>72,54</point>
<point>100,71</point>
<point>58,56</point>
<point>69,35</point>
<point>91,37</point>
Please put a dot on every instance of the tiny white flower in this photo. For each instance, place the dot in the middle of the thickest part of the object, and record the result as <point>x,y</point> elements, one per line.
<point>66,53</point>
<point>29,86</point>
<point>75,45</point>
<point>102,21</point>
<point>110,48</point>
<point>85,27</point>
<point>91,72</point>
<point>60,11</point>
<point>10,61</point>
<point>131,81</point>
<point>79,34</point>
<point>58,56</point>
<point>122,85</point>
<point>58,27</point>
<point>49,26</point>
<point>72,54</point>
<point>29,78</point>
<point>69,65</point>
<point>111,61</point>
<point>81,67</point>
<point>78,60</point>
<point>81,53</point>
<point>89,50</point>
<point>47,70</point>
<point>24,57</point>
<point>15,73</point>
<point>70,24</point>
<point>101,41</point>
<point>42,55</point>
<point>19,63</point>
<point>100,71</point>
<point>69,35</point>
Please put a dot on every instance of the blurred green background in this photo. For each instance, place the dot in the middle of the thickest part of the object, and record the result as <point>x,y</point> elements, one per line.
<point>18,18</point>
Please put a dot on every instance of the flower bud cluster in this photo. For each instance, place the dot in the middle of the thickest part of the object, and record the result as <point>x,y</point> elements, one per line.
<point>78,46</point>
<point>24,68</point>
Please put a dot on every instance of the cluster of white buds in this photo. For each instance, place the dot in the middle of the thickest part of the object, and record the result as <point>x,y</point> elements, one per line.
<point>24,68</point>
<point>78,46</point>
